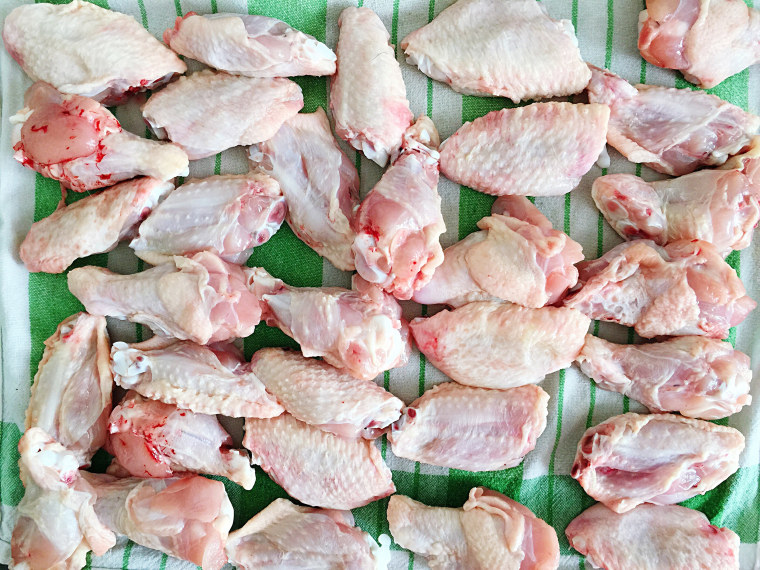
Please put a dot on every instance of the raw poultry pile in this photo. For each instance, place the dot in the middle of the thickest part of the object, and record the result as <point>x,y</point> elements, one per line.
<point>520,295</point>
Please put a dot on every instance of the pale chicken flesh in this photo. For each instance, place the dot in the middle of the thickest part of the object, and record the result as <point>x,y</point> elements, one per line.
<point>206,380</point>
<point>199,298</point>
<point>320,184</point>
<point>78,142</point>
<point>399,223</point>
<point>517,256</point>
<point>71,394</point>
<point>541,149</point>
<point>296,537</point>
<point>652,537</point>
<point>500,345</point>
<point>721,206</point>
<point>489,531</point>
<point>226,215</point>
<point>56,524</point>
<point>684,288</point>
<point>465,44</point>
<point>255,46</point>
<point>473,429</point>
<point>367,93</point>
<point>316,467</point>
<point>673,131</point>
<point>695,376</point>
<point>707,40</point>
<point>318,394</point>
<point>82,49</point>
<point>208,112</point>
<point>94,224</point>
<point>187,517</point>
<point>360,330</point>
<point>656,458</point>
<point>153,439</point>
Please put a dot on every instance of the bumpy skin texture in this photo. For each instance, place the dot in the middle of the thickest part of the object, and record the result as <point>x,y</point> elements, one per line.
<point>707,40</point>
<point>255,46</point>
<point>318,394</point>
<point>226,215</point>
<point>656,458</point>
<point>721,206</point>
<point>83,49</point>
<point>315,467</point>
<point>489,531</point>
<point>360,331</point>
<point>153,439</point>
<point>71,393</point>
<point>367,93</point>
<point>652,537</point>
<point>541,149</point>
<point>206,380</point>
<point>473,429</point>
<point>673,131</point>
<point>199,298</point>
<point>306,538</point>
<point>695,376</point>
<point>544,60</point>
<point>320,184</point>
<point>500,345</point>
<point>399,223</point>
<point>188,517</point>
<point>94,224</point>
<point>535,262</point>
<point>207,112</point>
<point>78,142</point>
<point>684,288</point>
<point>56,524</point>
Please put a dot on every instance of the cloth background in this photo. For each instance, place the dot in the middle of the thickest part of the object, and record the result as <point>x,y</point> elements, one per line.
<point>31,306</point>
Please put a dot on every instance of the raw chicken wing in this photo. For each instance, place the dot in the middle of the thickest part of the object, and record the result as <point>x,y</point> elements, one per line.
<point>541,149</point>
<point>208,112</point>
<point>199,298</point>
<point>359,330</point>
<point>94,224</point>
<point>78,142</point>
<point>652,537</point>
<point>367,93</point>
<point>320,184</point>
<point>465,46</point>
<point>318,394</point>
<point>315,467</point>
<point>656,458</point>
<point>226,215</point>
<point>695,376</point>
<point>673,131</point>
<point>206,380</point>
<point>398,224</point>
<point>56,524</point>
<point>83,49</point>
<point>473,429</point>
<point>500,345</point>
<point>292,536</point>
<point>153,439</point>
<point>720,205</point>
<point>517,256</point>
<point>255,46</point>
<point>187,517</point>
<point>71,393</point>
<point>707,40</point>
<point>684,288</point>
<point>489,531</point>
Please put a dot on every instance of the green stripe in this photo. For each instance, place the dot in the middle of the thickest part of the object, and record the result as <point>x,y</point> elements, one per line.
<point>164,558</point>
<point>143,13</point>
<point>610,33</point>
<point>214,9</point>
<point>178,7</point>
<point>592,387</point>
<point>560,397</point>
<point>127,554</point>
<point>218,164</point>
<point>394,26</point>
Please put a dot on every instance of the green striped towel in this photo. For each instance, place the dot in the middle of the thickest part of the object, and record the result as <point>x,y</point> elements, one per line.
<point>32,305</point>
